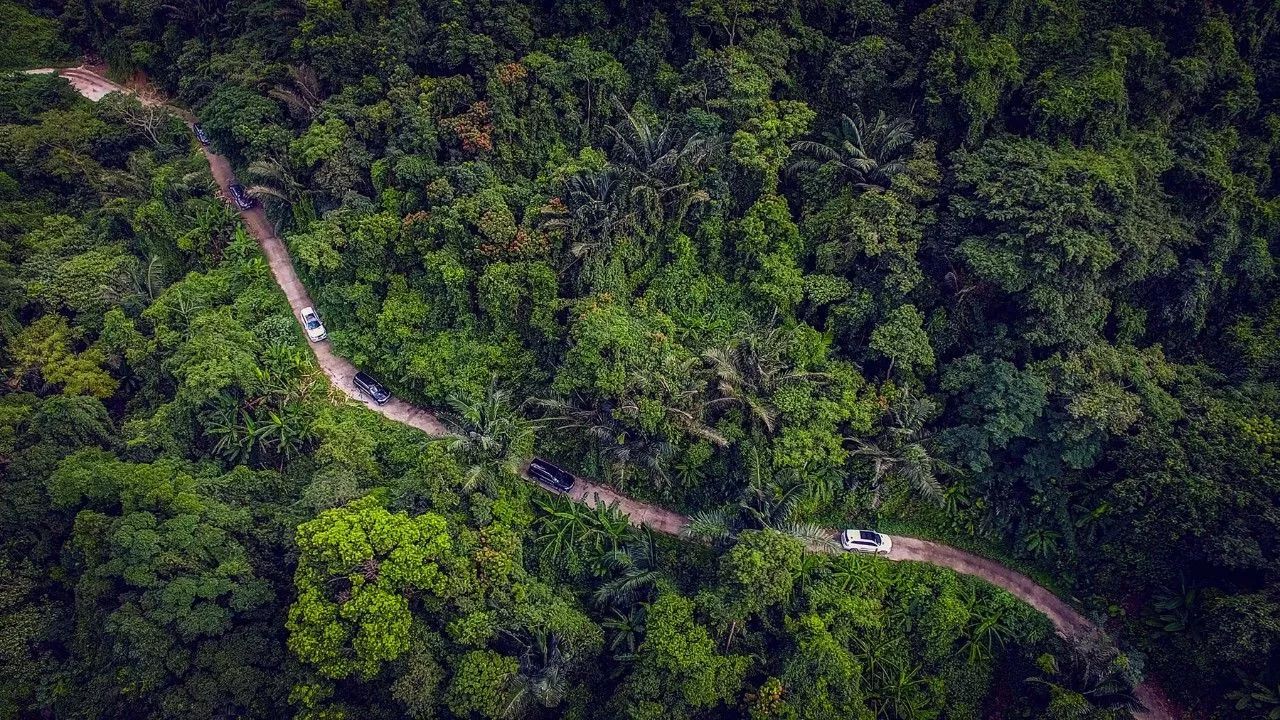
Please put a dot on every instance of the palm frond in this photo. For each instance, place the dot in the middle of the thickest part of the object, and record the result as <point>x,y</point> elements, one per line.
<point>710,525</point>
<point>815,537</point>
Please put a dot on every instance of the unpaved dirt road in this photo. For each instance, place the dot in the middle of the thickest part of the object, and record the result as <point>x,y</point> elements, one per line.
<point>1066,620</point>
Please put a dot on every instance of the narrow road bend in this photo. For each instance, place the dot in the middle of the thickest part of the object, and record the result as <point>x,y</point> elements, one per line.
<point>1068,622</point>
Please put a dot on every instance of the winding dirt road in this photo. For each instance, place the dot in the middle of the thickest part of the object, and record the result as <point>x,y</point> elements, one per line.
<point>1066,620</point>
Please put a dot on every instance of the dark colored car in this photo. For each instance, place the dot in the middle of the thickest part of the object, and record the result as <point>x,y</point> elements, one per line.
<point>553,477</point>
<point>201,135</point>
<point>241,196</point>
<point>374,389</point>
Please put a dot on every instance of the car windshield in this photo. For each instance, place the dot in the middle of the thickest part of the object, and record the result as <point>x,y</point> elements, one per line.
<point>312,322</point>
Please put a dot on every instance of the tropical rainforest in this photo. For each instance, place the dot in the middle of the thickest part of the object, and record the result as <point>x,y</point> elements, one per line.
<point>997,273</point>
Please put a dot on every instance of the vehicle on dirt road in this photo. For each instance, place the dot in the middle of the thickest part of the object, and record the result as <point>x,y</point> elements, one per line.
<point>315,328</point>
<point>553,477</point>
<point>866,541</point>
<point>241,196</point>
<point>201,135</point>
<point>374,389</point>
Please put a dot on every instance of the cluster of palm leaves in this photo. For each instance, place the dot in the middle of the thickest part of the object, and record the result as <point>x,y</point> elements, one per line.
<point>611,216</point>
<point>634,570</point>
<point>542,675</point>
<point>750,369</point>
<point>864,154</point>
<point>686,393</point>
<point>1261,698</point>
<point>579,537</point>
<point>766,502</point>
<point>892,679</point>
<point>597,541</point>
<point>490,436</point>
<point>267,419</point>
<point>905,452</point>
<point>622,449</point>
<point>896,688</point>
<point>275,182</point>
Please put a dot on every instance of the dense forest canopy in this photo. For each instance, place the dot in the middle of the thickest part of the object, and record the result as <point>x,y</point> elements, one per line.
<point>999,273</point>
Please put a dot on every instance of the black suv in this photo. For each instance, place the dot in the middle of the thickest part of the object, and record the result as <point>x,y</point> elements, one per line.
<point>241,196</point>
<point>551,476</point>
<point>200,134</point>
<point>374,389</point>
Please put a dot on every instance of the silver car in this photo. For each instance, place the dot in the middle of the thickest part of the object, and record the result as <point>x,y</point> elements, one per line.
<point>311,321</point>
<point>866,541</point>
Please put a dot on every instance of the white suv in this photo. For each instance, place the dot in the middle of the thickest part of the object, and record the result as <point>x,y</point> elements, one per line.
<point>866,541</point>
<point>311,321</point>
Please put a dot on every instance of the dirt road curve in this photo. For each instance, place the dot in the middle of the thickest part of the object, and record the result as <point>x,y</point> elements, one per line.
<point>1066,620</point>
<point>340,371</point>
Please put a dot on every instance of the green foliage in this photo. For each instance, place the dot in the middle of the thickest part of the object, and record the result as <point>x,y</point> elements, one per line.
<point>482,684</point>
<point>1004,271</point>
<point>677,667</point>
<point>902,339</point>
<point>29,40</point>
<point>760,569</point>
<point>355,565</point>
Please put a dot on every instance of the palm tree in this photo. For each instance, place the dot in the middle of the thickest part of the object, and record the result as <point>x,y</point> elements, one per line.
<point>1177,609</point>
<point>565,529</point>
<point>655,157</point>
<point>594,213</point>
<point>491,435</point>
<point>851,575</point>
<point>578,415</point>
<point>626,628</point>
<point>633,450</point>
<point>578,536</point>
<point>867,155</point>
<point>637,568</point>
<point>1042,542</point>
<point>765,503</point>
<point>989,627</point>
<point>904,693</point>
<point>301,94</point>
<point>544,672</point>
<point>881,655</point>
<point>717,526</point>
<point>772,504</point>
<point>285,431</point>
<point>1261,697</point>
<point>905,452</point>
<point>620,448</point>
<point>750,369</point>
<point>233,432</point>
<point>678,387</point>
<point>821,481</point>
<point>275,181</point>
<point>654,161</point>
<point>613,529</point>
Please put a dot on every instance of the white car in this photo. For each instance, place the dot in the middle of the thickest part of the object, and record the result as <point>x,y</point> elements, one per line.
<point>866,541</point>
<point>311,321</point>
